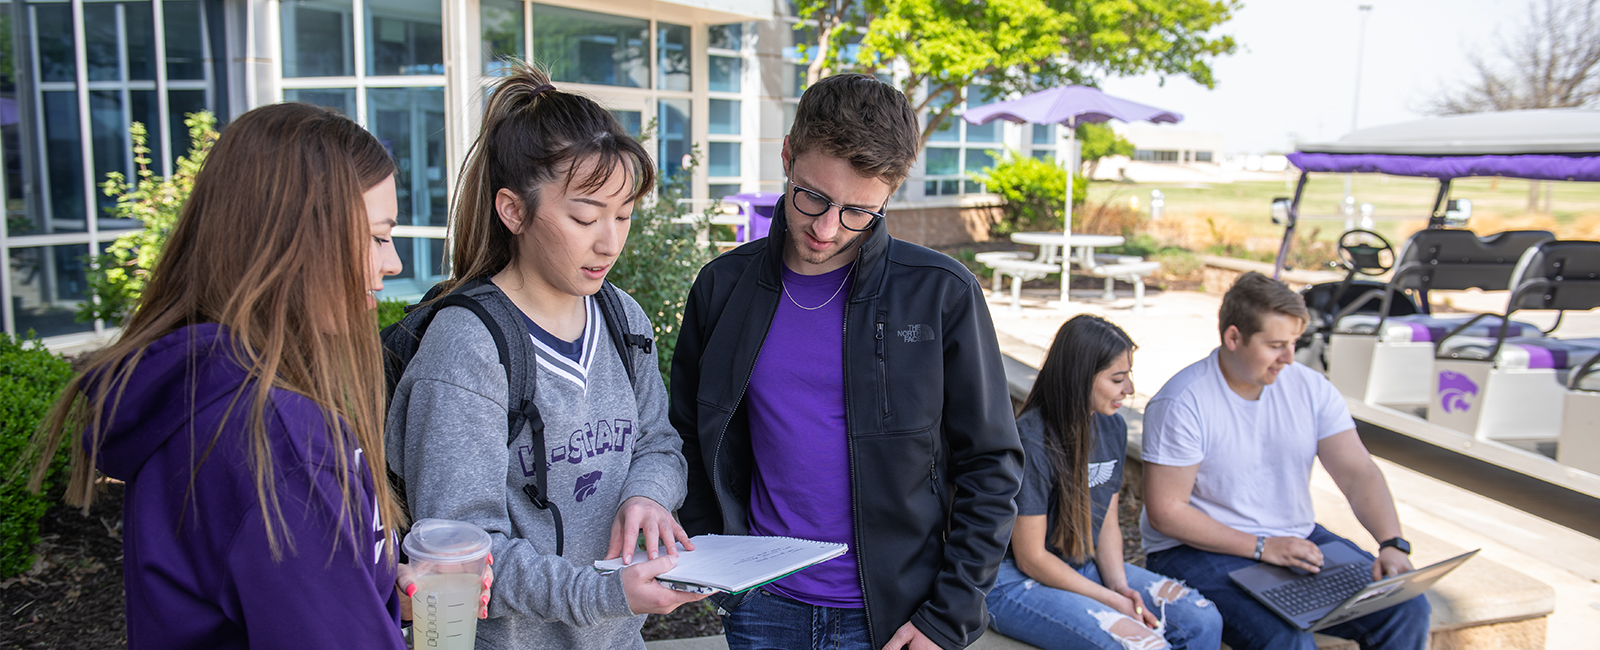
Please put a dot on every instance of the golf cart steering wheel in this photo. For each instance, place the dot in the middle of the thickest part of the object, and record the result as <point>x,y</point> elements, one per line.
<point>1365,252</point>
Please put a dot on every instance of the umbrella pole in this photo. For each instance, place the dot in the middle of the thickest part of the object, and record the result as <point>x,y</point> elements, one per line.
<point>1066,212</point>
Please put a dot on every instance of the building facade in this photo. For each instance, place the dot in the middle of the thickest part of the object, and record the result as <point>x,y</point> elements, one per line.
<point>720,78</point>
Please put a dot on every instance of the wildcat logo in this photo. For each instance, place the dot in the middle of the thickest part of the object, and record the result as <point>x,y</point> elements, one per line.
<point>586,486</point>
<point>1456,392</point>
<point>916,334</point>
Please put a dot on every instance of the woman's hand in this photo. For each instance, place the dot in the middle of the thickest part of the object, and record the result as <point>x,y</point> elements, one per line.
<point>1141,613</point>
<point>645,595</point>
<point>406,584</point>
<point>641,516</point>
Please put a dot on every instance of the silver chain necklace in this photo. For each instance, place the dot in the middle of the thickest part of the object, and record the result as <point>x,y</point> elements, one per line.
<point>830,298</point>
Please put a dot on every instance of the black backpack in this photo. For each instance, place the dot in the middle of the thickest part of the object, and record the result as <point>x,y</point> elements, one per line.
<point>499,315</point>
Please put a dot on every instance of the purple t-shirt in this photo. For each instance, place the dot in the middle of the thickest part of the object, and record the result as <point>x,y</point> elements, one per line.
<point>801,485</point>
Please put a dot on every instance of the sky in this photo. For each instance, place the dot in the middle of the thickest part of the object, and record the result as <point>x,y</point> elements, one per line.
<point>1294,76</point>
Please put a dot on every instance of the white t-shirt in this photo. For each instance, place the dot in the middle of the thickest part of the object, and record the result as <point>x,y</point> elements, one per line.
<point>1255,456</point>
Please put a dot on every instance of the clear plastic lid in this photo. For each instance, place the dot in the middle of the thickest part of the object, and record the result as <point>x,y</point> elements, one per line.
<point>446,541</point>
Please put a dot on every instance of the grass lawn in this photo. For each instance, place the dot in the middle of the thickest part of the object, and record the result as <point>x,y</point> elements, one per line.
<point>1248,202</point>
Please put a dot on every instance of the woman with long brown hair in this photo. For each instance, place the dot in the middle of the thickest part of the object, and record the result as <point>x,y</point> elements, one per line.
<point>242,403</point>
<point>1064,583</point>
<point>542,212</point>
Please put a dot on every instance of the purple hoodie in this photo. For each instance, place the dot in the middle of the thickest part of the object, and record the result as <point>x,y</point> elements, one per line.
<point>196,565</point>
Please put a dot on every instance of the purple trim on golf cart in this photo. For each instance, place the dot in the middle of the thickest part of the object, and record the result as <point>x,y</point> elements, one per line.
<point>1544,167</point>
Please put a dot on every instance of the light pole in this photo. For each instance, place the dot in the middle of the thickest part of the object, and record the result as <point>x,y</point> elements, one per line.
<point>1355,108</point>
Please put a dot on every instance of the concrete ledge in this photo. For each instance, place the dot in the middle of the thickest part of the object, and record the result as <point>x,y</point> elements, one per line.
<point>1220,272</point>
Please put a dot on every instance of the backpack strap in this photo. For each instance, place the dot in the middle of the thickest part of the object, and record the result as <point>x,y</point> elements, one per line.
<point>616,318</point>
<point>522,369</point>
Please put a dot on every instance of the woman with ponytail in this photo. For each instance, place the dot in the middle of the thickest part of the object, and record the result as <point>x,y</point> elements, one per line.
<point>1064,584</point>
<point>242,403</point>
<point>541,214</point>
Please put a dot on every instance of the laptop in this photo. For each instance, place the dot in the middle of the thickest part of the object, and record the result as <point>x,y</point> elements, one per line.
<point>1343,591</point>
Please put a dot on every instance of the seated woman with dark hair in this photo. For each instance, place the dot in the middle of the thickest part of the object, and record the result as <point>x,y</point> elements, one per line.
<point>1064,584</point>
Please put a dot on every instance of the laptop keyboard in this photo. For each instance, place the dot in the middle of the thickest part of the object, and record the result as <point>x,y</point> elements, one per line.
<point>1330,587</point>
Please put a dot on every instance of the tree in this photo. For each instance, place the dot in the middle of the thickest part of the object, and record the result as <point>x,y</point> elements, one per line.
<point>1016,45</point>
<point>1553,61</point>
<point>1099,141</point>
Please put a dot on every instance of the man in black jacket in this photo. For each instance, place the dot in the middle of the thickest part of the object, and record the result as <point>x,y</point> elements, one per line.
<point>833,383</point>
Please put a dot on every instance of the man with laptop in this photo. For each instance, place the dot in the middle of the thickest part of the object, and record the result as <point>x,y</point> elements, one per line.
<point>1228,449</point>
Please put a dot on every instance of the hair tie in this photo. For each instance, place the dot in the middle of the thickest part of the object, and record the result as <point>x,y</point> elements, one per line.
<point>540,89</point>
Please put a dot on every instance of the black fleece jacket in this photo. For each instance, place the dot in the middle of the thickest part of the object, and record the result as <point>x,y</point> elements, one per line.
<point>934,453</point>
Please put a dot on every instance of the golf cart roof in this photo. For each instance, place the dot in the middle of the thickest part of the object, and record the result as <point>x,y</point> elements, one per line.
<point>1550,144</point>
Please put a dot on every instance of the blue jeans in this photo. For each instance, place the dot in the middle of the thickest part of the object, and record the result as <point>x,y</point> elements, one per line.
<point>767,621</point>
<point>1247,624</point>
<point>1050,618</point>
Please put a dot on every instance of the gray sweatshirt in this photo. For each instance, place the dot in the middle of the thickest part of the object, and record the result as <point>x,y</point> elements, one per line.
<point>605,441</point>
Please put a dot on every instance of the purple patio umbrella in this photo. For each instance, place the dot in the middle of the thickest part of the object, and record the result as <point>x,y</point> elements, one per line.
<point>1069,106</point>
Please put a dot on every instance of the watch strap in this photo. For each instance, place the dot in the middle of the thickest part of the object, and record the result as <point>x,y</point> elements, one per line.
<point>1261,545</point>
<point>1397,543</point>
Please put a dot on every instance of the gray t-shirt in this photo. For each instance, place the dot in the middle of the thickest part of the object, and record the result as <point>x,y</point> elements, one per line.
<point>1038,495</point>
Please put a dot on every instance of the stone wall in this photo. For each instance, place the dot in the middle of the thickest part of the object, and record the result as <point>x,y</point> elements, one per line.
<point>943,226</point>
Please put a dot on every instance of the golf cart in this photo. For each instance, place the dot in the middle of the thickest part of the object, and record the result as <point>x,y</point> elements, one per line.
<point>1488,385</point>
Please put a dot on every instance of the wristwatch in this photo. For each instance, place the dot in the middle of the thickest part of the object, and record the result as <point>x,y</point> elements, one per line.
<point>1261,545</point>
<point>1398,543</point>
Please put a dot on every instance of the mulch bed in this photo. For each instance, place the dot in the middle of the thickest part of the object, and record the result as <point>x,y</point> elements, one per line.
<point>72,597</point>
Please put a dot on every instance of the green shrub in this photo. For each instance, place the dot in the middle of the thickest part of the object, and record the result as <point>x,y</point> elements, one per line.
<point>1033,190</point>
<point>30,379</point>
<point>390,311</point>
<point>660,263</point>
<point>118,276</point>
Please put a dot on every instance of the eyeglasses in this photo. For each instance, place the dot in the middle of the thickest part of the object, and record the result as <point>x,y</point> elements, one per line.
<point>814,204</point>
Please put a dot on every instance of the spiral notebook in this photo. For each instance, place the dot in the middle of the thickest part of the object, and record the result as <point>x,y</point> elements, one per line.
<point>736,563</point>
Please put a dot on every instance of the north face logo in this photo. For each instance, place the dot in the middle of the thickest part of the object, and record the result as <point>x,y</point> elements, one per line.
<point>916,334</point>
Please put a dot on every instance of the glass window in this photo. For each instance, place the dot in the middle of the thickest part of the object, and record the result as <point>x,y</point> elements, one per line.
<point>592,48</point>
<point>47,283</point>
<point>404,37</point>
<point>943,161</point>
<point>63,153</point>
<point>982,132</point>
<point>631,121</point>
<point>1202,156</point>
<point>180,103</point>
<point>797,80</point>
<point>949,131</point>
<point>723,190</point>
<point>724,117</point>
<point>725,74</point>
<point>100,40</point>
<point>977,161</point>
<point>1044,134</point>
<point>725,37</point>
<point>339,99</point>
<point>672,124</point>
<point>724,159</point>
<point>317,38</point>
<point>53,31</point>
<point>410,124</point>
<point>500,24</point>
<point>1044,154</point>
<point>185,38</point>
<point>141,39</point>
<point>672,50</point>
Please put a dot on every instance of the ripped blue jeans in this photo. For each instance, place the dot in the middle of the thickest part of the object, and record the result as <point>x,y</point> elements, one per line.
<point>1049,618</point>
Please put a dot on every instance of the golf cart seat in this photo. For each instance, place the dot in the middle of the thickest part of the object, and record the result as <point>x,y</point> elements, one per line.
<point>1386,359</point>
<point>1508,388</point>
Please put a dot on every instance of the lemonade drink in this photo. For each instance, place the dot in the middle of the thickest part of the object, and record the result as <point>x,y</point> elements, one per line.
<point>444,611</point>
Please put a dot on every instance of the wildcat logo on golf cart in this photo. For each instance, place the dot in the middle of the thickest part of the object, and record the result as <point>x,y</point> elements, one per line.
<point>1456,391</point>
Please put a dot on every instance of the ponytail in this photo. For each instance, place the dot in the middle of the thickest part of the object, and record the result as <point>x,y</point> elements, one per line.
<point>532,133</point>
